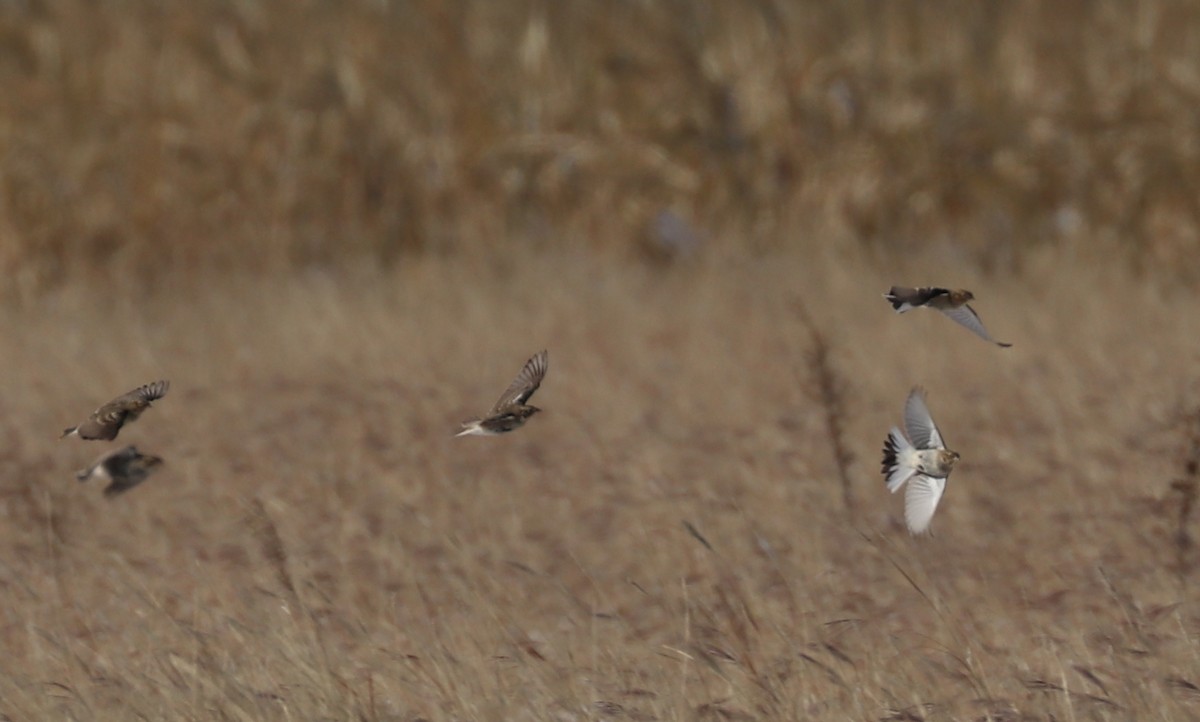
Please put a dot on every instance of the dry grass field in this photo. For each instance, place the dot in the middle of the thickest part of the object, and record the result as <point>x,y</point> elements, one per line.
<point>339,230</point>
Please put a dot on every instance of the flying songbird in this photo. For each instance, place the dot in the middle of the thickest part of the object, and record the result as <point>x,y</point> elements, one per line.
<point>122,468</point>
<point>954,303</point>
<point>106,422</point>
<point>921,459</point>
<point>511,411</point>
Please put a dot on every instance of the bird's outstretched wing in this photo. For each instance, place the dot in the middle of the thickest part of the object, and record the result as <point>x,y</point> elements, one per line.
<point>526,382</point>
<point>132,401</point>
<point>966,316</point>
<point>917,419</point>
<point>921,501</point>
<point>143,395</point>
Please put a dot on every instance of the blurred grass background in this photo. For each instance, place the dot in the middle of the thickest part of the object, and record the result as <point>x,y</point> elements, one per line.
<point>340,228</point>
<point>145,137</point>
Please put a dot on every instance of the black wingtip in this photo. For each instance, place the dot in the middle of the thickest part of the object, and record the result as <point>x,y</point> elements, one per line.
<point>889,455</point>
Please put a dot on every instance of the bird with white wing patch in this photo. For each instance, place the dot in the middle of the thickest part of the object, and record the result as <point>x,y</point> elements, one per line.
<point>921,459</point>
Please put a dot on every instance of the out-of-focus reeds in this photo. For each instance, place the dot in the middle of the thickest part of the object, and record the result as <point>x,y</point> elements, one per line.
<point>141,138</point>
<point>191,190</point>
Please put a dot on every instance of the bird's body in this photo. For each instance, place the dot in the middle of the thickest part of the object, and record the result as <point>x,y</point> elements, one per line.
<point>930,462</point>
<point>954,303</point>
<point>501,423</point>
<point>123,469</point>
<point>921,460</point>
<point>105,422</point>
<point>511,410</point>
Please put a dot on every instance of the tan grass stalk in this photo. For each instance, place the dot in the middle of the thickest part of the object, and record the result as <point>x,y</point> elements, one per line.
<point>829,390</point>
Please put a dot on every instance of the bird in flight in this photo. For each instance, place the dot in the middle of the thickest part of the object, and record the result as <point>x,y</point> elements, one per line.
<point>122,468</point>
<point>106,422</point>
<point>921,459</point>
<point>954,303</point>
<point>511,411</point>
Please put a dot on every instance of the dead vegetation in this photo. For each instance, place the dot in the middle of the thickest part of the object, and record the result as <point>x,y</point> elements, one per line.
<point>268,135</point>
<point>320,545</point>
<point>1185,489</point>
<point>333,226</point>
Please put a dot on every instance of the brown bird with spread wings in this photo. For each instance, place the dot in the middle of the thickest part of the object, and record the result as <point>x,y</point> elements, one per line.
<point>952,302</point>
<point>511,411</point>
<point>105,422</point>
<point>123,468</point>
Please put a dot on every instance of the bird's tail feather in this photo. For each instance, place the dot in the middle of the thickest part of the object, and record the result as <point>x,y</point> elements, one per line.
<point>469,427</point>
<point>896,464</point>
<point>899,304</point>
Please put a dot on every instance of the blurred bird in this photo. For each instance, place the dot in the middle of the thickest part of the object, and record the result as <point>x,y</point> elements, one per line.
<point>123,468</point>
<point>511,411</point>
<point>106,422</point>
<point>924,462</point>
<point>953,303</point>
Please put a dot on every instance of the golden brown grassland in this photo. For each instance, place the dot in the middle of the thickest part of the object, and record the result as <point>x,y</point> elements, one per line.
<point>340,229</point>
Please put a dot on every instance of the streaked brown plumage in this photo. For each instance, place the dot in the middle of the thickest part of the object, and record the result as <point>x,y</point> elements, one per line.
<point>511,411</point>
<point>952,302</point>
<point>105,422</point>
<point>123,468</point>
